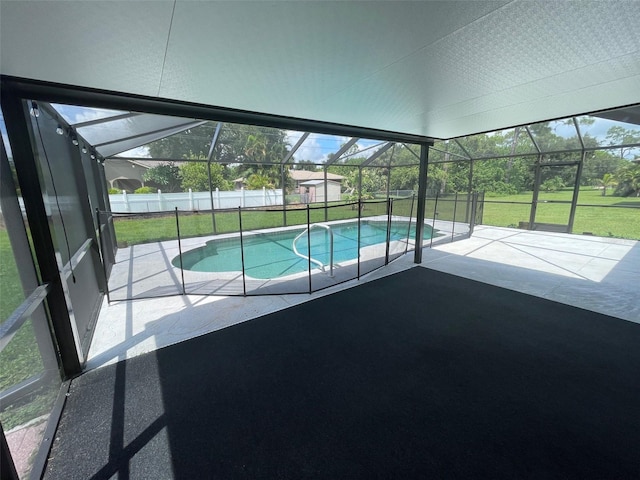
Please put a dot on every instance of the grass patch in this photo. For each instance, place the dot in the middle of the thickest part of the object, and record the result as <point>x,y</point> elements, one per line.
<point>605,222</point>
<point>20,359</point>
<point>156,227</point>
<point>615,222</point>
<point>11,294</point>
<point>35,405</point>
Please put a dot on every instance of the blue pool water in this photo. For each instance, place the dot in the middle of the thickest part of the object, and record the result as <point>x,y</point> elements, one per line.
<point>270,255</point>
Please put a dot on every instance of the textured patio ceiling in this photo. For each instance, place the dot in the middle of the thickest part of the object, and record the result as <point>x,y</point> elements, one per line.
<point>437,69</point>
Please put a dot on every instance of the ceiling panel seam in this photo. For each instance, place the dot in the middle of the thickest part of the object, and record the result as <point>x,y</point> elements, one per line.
<point>166,48</point>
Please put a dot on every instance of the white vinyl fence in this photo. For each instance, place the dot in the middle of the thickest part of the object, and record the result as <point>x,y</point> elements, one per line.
<point>193,201</point>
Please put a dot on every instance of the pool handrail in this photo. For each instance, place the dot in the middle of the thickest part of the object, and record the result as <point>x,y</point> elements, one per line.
<point>313,260</point>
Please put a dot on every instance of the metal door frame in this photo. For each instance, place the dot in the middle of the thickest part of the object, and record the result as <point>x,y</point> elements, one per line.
<point>564,228</point>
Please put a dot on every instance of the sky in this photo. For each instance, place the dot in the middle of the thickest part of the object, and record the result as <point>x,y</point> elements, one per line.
<point>318,146</point>
<point>315,148</point>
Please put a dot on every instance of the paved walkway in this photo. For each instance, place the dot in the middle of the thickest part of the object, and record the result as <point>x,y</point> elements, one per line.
<point>599,274</point>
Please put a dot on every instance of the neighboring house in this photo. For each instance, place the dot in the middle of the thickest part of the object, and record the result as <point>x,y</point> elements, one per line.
<point>313,191</point>
<point>125,174</point>
<point>239,183</point>
<point>128,175</point>
<point>311,185</point>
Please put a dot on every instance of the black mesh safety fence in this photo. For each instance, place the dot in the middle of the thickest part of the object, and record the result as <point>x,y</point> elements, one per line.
<point>269,263</point>
<point>372,234</point>
<point>147,246</point>
<point>267,251</point>
<point>210,257</point>
<point>402,226</point>
<point>333,246</point>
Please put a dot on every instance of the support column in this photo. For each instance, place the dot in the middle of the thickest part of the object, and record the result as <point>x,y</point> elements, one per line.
<point>422,200</point>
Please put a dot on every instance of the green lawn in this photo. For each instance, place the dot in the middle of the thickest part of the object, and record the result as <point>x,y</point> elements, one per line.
<point>605,222</point>
<point>20,359</point>
<point>159,227</point>
<point>616,222</point>
<point>11,295</point>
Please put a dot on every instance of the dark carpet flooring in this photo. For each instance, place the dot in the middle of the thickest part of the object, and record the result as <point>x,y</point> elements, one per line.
<point>417,375</point>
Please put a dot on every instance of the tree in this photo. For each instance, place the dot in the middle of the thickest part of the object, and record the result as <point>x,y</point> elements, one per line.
<point>256,147</point>
<point>252,149</point>
<point>175,147</point>
<point>552,185</point>
<point>258,182</point>
<point>373,180</point>
<point>607,181</point>
<point>598,163</point>
<point>629,180</point>
<point>262,152</point>
<point>196,177</point>
<point>437,177</point>
<point>165,176</point>
<point>620,136</point>
<point>404,178</point>
<point>305,165</point>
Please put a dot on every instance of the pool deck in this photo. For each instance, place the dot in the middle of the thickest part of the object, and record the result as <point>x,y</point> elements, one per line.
<point>599,274</point>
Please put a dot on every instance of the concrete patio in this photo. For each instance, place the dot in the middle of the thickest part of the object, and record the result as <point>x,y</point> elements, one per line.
<point>594,273</point>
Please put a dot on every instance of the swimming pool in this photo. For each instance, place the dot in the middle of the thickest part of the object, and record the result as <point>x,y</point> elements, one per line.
<point>270,255</point>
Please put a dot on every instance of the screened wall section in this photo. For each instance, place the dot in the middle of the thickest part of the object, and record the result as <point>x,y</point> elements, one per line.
<point>192,206</point>
<point>575,175</point>
<point>102,200</point>
<point>231,209</point>
<point>181,205</point>
<point>31,376</point>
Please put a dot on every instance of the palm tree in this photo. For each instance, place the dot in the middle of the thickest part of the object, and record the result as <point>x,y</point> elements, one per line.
<point>607,180</point>
<point>629,178</point>
<point>258,181</point>
<point>256,148</point>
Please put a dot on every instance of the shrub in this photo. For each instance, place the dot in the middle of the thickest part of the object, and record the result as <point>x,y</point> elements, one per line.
<point>145,190</point>
<point>552,185</point>
<point>114,191</point>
